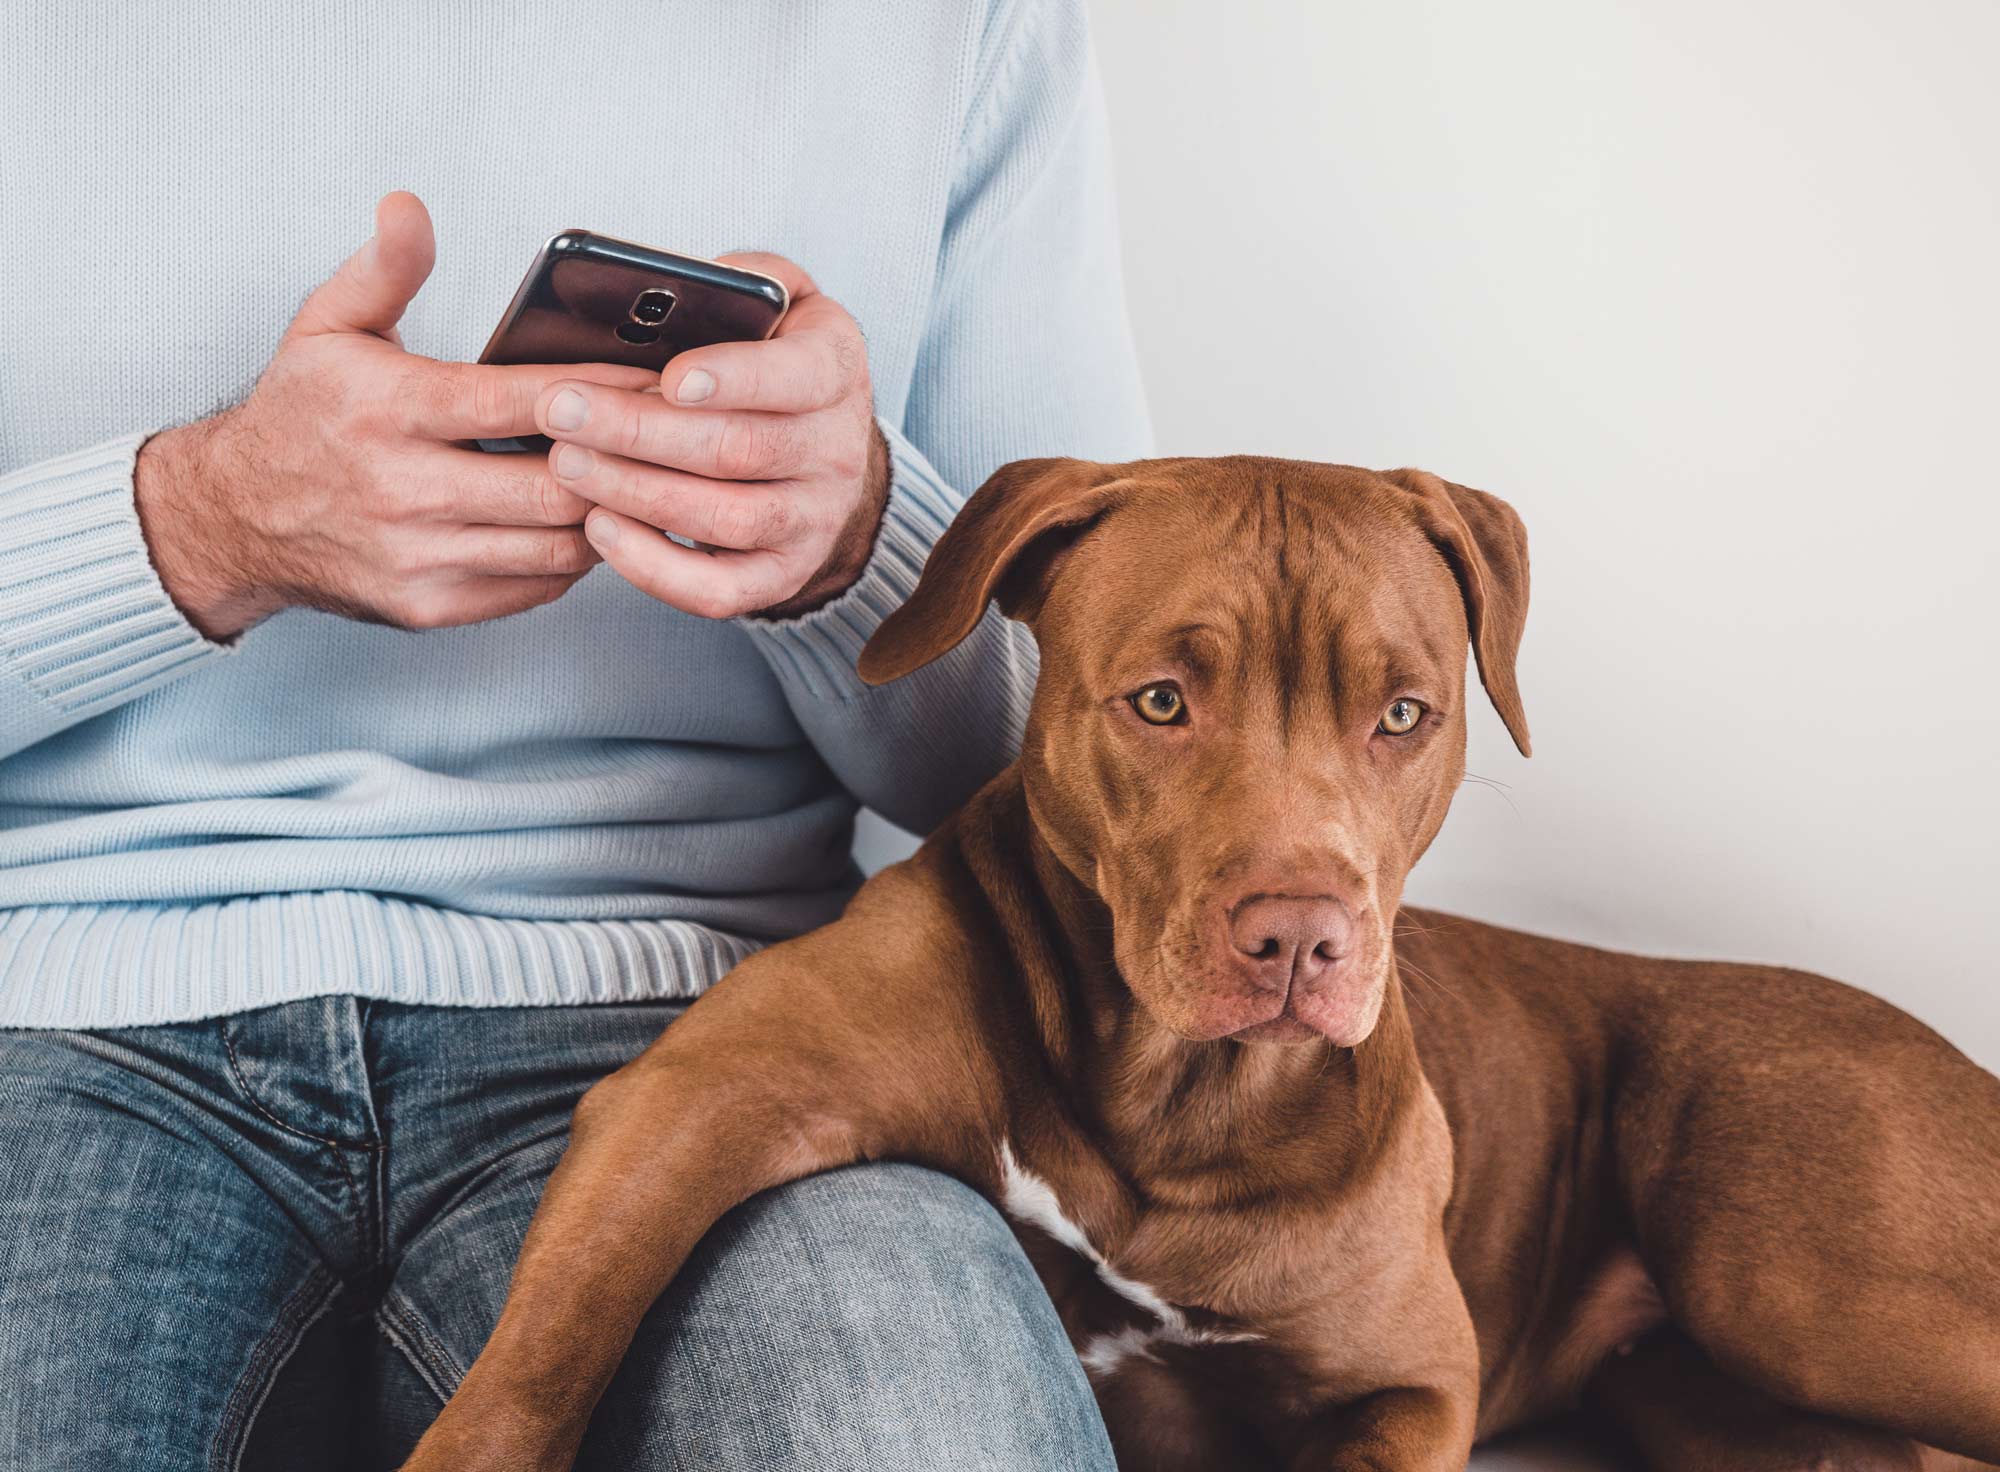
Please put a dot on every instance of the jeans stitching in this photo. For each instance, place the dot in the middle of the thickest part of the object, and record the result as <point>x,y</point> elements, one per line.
<point>412,1336</point>
<point>250,1095</point>
<point>333,1147</point>
<point>273,1351</point>
<point>379,1160</point>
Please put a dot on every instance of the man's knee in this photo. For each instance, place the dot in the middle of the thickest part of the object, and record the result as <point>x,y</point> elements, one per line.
<point>881,1316</point>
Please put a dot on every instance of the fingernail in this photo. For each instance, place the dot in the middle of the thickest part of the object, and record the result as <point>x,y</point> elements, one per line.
<point>697,386</point>
<point>569,462</point>
<point>601,530</point>
<point>568,410</point>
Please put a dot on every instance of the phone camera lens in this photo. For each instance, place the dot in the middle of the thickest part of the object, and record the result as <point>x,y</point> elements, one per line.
<point>638,333</point>
<point>652,307</point>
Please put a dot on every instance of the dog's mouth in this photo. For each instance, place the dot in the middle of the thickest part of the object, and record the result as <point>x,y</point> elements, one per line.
<point>1343,1014</point>
<point>1284,1028</point>
<point>1200,1004</point>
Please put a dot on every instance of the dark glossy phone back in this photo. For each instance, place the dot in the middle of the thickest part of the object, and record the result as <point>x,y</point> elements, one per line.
<point>591,299</point>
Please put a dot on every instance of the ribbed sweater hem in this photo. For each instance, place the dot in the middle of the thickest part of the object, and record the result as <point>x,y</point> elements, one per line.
<point>103,966</point>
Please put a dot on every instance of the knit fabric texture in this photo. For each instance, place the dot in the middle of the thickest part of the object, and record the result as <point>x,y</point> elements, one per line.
<point>603,799</point>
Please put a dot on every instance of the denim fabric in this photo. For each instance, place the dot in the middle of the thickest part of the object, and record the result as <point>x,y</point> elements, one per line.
<point>278,1239</point>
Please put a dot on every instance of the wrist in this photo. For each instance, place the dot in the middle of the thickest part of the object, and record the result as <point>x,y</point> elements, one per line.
<point>178,498</point>
<point>855,544</point>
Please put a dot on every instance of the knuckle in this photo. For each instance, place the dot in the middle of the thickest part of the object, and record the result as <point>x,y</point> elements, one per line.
<point>397,553</point>
<point>422,609</point>
<point>415,392</point>
<point>401,559</point>
<point>732,524</point>
<point>739,449</point>
<point>485,400</point>
<point>570,555</point>
<point>447,396</point>
<point>646,499</point>
<point>759,521</point>
<point>347,402</point>
<point>548,589</point>
<point>631,436</point>
<point>791,441</point>
<point>761,449</point>
<point>848,359</point>
<point>778,521</point>
<point>853,466</point>
<point>547,501</point>
<point>541,499</point>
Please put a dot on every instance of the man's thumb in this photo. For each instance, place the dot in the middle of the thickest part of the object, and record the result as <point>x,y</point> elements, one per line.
<point>373,286</point>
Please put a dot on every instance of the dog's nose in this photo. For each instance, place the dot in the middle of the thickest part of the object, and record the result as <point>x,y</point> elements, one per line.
<point>1289,939</point>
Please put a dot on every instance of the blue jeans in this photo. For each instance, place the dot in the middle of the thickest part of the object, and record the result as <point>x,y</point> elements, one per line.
<point>279,1239</point>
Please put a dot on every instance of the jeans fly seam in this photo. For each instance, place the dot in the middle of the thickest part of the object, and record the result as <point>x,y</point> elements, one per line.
<point>366,1214</point>
<point>379,1148</point>
<point>250,1095</point>
<point>379,1163</point>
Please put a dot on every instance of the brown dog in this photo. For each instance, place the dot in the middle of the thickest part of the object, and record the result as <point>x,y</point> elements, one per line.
<point>1148,992</point>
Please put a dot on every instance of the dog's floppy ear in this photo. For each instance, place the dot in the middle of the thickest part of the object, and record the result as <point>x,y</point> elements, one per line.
<point>1003,545</point>
<point>1487,548</point>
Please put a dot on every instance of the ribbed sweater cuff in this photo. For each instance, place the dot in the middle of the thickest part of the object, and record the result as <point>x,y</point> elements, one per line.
<point>817,651</point>
<point>84,621</point>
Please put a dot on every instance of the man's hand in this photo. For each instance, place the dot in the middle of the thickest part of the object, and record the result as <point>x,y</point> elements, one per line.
<point>340,483</point>
<point>766,453</point>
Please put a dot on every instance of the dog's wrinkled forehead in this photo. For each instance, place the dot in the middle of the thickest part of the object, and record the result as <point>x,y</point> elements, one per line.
<point>1301,566</point>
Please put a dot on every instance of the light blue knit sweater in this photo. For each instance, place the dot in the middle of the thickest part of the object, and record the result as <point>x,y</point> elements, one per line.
<point>603,798</point>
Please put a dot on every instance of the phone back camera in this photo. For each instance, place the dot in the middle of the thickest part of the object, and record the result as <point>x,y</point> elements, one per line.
<point>651,308</point>
<point>637,333</point>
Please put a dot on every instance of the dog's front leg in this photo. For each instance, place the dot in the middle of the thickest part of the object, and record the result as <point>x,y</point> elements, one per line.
<point>803,1059</point>
<point>1403,1395</point>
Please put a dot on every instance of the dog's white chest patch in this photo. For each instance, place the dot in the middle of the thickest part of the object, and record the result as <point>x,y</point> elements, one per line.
<point>1028,1198</point>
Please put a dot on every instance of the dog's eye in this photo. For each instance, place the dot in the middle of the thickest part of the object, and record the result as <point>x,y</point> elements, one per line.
<point>1161,704</point>
<point>1400,718</point>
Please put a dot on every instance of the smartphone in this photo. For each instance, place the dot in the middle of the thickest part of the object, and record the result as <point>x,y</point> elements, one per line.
<point>591,299</point>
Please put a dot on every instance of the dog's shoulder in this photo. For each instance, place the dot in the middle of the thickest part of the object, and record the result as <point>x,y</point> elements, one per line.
<point>966,892</point>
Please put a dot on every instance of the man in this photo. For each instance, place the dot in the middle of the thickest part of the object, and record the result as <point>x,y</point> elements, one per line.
<point>351,824</point>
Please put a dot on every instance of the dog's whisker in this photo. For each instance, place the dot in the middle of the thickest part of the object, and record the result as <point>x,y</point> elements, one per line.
<point>1418,973</point>
<point>1495,786</point>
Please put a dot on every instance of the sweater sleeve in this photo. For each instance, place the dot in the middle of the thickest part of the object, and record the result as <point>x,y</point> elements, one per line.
<point>1028,352</point>
<point>85,625</point>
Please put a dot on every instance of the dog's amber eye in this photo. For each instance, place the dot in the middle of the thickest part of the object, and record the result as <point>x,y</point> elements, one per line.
<point>1160,704</point>
<point>1401,718</point>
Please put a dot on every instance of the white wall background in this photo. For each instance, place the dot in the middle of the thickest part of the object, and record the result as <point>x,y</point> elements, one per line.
<point>1708,290</point>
